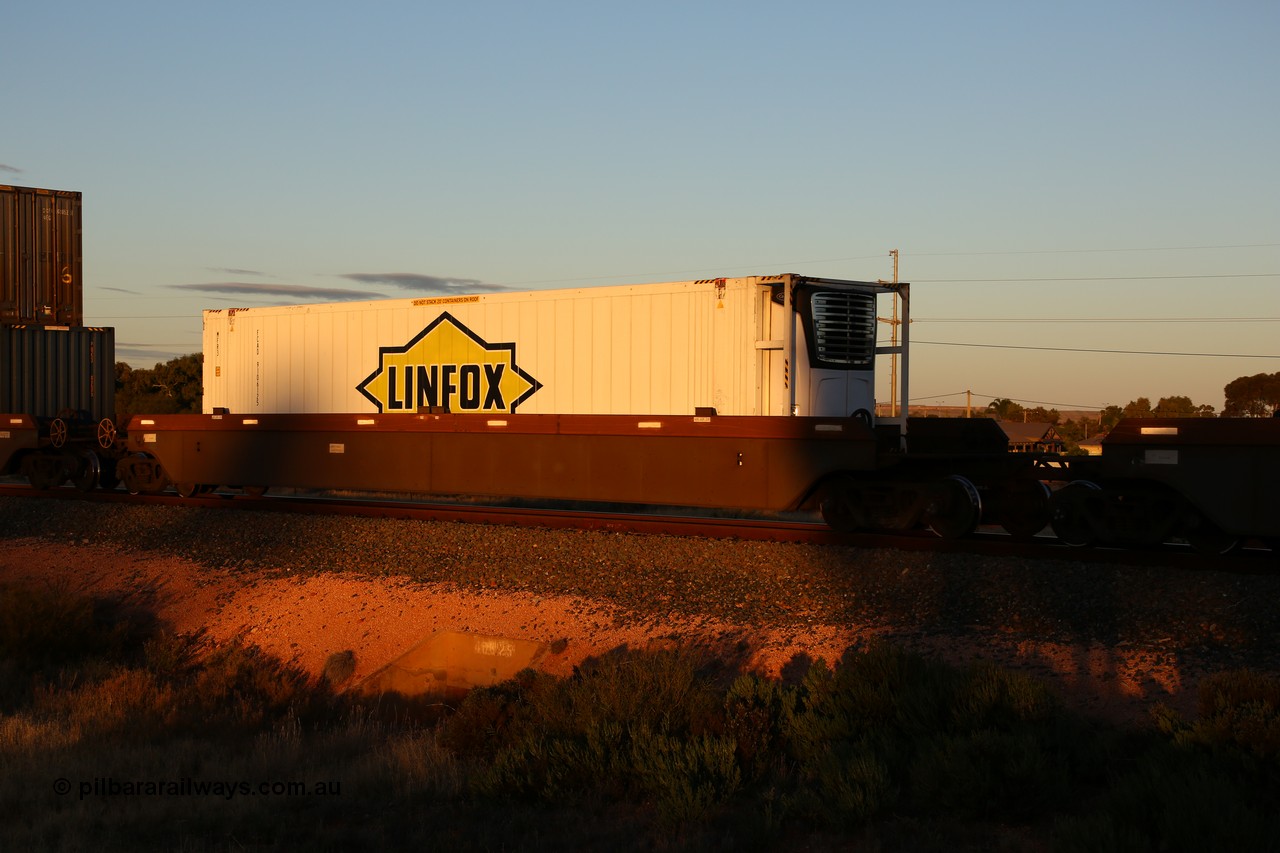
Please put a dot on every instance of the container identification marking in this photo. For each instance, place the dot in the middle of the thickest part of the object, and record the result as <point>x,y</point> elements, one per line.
<point>450,366</point>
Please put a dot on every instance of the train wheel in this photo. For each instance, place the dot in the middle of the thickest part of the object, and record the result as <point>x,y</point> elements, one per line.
<point>58,432</point>
<point>956,508</point>
<point>88,469</point>
<point>1208,538</point>
<point>106,434</point>
<point>254,491</point>
<point>129,478</point>
<point>1022,508</point>
<point>1069,513</point>
<point>188,490</point>
<point>836,512</point>
<point>839,506</point>
<point>141,474</point>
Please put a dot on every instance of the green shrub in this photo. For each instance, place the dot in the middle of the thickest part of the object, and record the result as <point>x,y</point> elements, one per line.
<point>757,712</point>
<point>668,691</point>
<point>43,626</point>
<point>847,786</point>
<point>687,775</point>
<point>1176,800</point>
<point>561,766</point>
<point>169,656</point>
<point>127,703</point>
<point>477,727</point>
<point>988,696</point>
<point>646,750</point>
<point>885,690</point>
<point>238,686</point>
<point>1239,708</point>
<point>988,774</point>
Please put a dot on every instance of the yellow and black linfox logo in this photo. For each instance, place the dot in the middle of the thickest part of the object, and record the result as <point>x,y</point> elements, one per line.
<point>450,366</point>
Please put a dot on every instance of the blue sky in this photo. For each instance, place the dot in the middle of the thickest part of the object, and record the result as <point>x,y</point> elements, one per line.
<point>1111,164</point>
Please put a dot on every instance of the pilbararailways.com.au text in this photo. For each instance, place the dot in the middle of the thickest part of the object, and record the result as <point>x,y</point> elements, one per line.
<point>109,786</point>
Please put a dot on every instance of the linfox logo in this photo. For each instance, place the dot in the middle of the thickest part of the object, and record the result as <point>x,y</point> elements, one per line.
<point>451,366</point>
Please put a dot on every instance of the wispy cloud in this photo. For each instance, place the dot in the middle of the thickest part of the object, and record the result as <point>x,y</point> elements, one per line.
<point>425,283</point>
<point>292,291</point>
<point>14,169</point>
<point>122,290</point>
<point>145,355</point>
<point>234,271</point>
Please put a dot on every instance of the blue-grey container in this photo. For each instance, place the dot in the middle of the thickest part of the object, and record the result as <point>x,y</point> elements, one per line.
<point>58,371</point>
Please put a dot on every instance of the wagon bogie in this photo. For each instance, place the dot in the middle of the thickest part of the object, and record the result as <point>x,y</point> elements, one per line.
<point>141,473</point>
<point>1223,470</point>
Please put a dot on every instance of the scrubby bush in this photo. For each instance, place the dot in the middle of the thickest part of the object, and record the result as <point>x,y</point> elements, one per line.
<point>640,749</point>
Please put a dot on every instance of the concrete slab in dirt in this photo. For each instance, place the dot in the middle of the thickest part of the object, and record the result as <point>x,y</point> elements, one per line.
<point>449,663</point>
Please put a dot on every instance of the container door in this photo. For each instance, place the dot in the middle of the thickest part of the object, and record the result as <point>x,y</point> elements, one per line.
<point>772,372</point>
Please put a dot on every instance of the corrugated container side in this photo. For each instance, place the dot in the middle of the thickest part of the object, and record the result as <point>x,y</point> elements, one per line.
<point>662,348</point>
<point>40,257</point>
<point>48,371</point>
<point>667,348</point>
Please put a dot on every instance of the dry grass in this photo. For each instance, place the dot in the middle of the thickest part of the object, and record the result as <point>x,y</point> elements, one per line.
<point>163,742</point>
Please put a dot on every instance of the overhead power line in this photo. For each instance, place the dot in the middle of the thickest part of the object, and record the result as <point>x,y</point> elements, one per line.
<point>1093,278</point>
<point>1095,319</point>
<point>1068,406</point>
<point>1103,351</point>
<point>1095,251</point>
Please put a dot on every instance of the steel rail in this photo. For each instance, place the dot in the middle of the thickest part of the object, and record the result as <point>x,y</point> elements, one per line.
<point>988,541</point>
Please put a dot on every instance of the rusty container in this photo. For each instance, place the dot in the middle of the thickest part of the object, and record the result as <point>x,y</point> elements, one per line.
<point>40,257</point>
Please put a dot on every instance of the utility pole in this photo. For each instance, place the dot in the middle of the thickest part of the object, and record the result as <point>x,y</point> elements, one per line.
<point>893,339</point>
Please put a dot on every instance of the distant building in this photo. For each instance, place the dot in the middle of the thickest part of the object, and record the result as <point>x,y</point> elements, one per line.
<point>1092,446</point>
<point>1032,437</point>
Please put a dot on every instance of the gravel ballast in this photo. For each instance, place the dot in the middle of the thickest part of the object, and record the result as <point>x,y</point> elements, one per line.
<point>1144,634</point>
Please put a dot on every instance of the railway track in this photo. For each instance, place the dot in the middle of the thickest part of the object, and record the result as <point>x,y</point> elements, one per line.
<point>988,541</point>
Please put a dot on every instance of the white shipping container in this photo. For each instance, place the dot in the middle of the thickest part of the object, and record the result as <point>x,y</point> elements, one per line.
<point>761,345</point>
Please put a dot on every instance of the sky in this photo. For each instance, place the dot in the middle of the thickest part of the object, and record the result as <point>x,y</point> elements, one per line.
<point>1085,197</point>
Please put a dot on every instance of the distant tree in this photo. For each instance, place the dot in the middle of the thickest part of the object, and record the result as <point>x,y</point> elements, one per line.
<point>1256,396</point>
<point>1004,409</point>
<point>1041,415</point>
<point>1072,430</point>
<point>182,379</point>
<point>1139,408</point>
<point>172,388</point>
<point>1174,407</point>
<point>1111,416</point>
<point>1182,407</point>
<point>1079,430</point>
